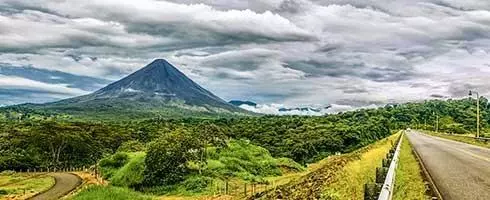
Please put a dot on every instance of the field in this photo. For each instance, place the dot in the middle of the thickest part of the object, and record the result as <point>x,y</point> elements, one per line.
<point>409,183</point>
<point>23,185</point>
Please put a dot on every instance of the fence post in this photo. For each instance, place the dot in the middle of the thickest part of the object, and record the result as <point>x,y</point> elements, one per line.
<point>226,187</point>
<point>245,189</point>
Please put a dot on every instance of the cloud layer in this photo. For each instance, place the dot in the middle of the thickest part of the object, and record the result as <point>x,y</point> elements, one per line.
<point>348,53</point>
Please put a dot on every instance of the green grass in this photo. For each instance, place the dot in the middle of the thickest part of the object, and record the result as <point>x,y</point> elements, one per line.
<point>247,161</point>
<point>124,169</point>
<point>131,174</point>
<point>110,192</point>
<point>409,183</point>
<point>461,138</point>
<point>21,185</point>
<point>349,183</point>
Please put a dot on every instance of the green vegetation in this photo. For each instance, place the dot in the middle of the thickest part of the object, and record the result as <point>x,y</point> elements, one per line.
<point>462,138</point>
<point>124,169</point>
<point>189,155</point>
<point>237,159</point>
<point>110,192</point>
<point>22,185</point>
<point>349,183</point>
<point>409,182</point>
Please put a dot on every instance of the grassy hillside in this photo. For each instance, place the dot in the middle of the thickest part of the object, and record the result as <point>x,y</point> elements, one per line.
<point>238,162</point>
<point>337,177</point>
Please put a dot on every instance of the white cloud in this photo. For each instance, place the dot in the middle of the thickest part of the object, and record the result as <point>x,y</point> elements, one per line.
<point>14,83</point>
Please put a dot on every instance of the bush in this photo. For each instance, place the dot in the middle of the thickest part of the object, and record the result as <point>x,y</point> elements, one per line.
<point>131,174</point>
<point>115,161</point>
<point>111,164</point>
<point>197,183</point>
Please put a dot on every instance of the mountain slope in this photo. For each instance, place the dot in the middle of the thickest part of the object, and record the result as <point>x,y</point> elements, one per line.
<point>158,89</point>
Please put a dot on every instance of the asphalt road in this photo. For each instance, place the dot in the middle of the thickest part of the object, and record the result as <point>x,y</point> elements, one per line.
<point>460,171</point>
<point>65,183</point>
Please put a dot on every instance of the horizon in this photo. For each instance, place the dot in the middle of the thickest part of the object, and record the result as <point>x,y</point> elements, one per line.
<point>276,53</point>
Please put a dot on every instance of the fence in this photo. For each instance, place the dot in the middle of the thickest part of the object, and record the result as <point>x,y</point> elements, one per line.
<point>382,189</point>
<point>241,189</point>
<point>94,171</point>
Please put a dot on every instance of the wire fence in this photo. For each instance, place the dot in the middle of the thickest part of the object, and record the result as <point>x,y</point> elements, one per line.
<point>241,189</point>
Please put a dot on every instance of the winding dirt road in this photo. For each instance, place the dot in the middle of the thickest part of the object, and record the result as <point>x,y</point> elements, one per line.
<point>65,183</point>
<point>460,171</point>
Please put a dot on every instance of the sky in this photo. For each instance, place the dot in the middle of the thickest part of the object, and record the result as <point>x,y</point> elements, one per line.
<point>279,53</point>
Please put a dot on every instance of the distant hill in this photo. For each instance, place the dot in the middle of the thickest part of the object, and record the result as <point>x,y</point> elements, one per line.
<point>157,90</point>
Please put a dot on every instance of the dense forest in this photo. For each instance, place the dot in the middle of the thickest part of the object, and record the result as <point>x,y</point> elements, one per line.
<point>30,139</point>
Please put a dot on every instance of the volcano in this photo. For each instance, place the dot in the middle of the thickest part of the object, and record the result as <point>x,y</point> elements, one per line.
<point>158,89</point>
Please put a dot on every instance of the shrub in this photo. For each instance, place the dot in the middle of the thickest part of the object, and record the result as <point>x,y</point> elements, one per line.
<point>131,174</point>
<point>111,164</point>
<point>196,183</point>
<point>115,161</point>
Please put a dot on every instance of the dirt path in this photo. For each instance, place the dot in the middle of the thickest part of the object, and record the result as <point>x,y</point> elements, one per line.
<point>65,183</point>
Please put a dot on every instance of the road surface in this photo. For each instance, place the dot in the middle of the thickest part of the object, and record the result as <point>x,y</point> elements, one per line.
<point>65,183</point>
<point>460,171</point>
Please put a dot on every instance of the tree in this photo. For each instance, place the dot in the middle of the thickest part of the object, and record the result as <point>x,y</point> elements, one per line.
<point>167,157</point>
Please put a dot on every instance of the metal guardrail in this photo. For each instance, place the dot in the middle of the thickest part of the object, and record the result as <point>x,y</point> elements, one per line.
<point>387,188</point>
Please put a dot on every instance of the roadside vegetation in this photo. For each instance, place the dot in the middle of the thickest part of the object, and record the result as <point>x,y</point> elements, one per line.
<point>409,182</point>
<point>23,185</point>
<point>461,138</point>
<point>99,192</point>
<point>349,183</point>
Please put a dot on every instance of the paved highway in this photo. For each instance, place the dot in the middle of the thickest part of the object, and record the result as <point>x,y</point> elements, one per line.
<point>460,171</point>
<point>65,183</point>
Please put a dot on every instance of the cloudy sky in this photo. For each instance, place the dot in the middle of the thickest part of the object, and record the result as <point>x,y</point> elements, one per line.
<point>346,53</point>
